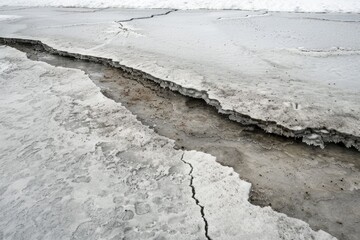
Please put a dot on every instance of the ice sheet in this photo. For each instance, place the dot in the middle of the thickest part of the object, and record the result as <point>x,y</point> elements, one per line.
<point>76,165</point>
<point>297,70</point>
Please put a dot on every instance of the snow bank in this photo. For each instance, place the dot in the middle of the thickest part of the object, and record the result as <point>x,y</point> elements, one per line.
<point>8,17</point>
<point>271,5</point>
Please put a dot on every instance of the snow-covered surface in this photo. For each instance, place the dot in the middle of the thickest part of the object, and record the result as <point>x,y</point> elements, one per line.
<point>271,5</point>
<point>76,165</point>
<point>8,17</point>
<point>299,70</point>
<point>238,219</point>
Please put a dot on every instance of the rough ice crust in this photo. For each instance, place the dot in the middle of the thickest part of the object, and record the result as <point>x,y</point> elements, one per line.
<point>269,69</point>
<point>218,187</point>
<point>271,5</point>
<point>311,136</point>
<point>76,165</point>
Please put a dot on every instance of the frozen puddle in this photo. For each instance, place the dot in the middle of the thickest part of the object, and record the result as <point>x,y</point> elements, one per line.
<point>318,186</point>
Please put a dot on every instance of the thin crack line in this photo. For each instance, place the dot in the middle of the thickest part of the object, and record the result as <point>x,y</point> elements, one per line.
<point>194,197</point>
<point>127,30</point>
<point>122,27</point>
<point>147,17</point>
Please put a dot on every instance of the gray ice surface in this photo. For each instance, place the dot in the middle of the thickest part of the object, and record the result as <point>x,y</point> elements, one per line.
<point>77,165</point>
<point>300,70</point>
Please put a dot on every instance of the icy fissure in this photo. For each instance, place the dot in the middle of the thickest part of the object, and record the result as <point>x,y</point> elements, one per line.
<point>312,136</point>
<point>194,125</point>
<point>109,177</point>
<point>202,209</point>
<point>148,17</point>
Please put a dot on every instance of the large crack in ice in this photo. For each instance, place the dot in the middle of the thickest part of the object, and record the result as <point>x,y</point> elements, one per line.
<point>311,136</point>
<point>103,168</point>
<point>202,208</point>
<point>108,78</point>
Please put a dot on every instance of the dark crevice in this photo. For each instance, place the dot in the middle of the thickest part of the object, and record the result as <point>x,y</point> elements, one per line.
<point>202,209</point>
<point>275,165</point>
<point>311,136</point>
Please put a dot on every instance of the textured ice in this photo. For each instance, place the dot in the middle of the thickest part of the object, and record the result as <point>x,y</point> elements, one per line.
<point>297,70</point>
<point>227,193</point>
<point>76,165</point>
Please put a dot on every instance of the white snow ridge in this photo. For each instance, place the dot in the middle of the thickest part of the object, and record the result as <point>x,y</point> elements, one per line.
<point>270,5</point>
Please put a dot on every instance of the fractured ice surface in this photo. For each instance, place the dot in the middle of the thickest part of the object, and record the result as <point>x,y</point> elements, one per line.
<point>227,193</point>
<point>294,70</point>
<point>76,165</point>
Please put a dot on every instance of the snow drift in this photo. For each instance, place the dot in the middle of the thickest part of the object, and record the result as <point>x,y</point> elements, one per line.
<point>271,5</point>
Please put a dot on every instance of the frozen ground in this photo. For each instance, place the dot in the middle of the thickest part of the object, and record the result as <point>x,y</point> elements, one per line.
<point>320,187</point>
<point>76,165</point>
<point>105,177</point>
<point>272,5</point>
<point>293,73</point>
